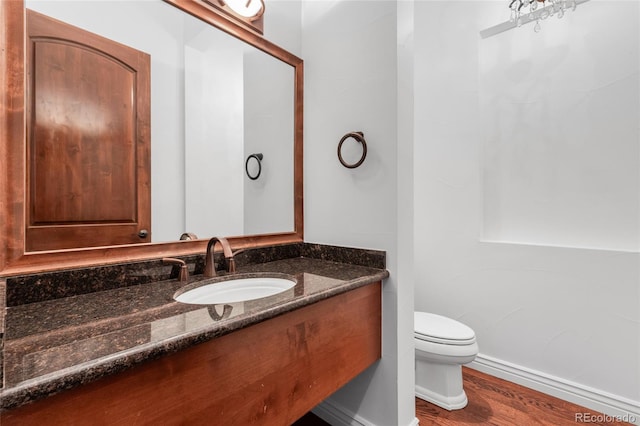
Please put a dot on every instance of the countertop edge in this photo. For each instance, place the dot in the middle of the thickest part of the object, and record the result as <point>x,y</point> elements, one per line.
<point>81,374</point>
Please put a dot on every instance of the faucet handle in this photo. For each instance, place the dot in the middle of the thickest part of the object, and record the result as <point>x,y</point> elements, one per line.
<point>239,251</point>
<point>183,274</point>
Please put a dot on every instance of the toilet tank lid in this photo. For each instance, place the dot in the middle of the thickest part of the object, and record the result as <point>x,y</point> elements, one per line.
<point>433,325</point>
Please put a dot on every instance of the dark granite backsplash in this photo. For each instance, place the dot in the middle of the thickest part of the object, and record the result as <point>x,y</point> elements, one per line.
<point>25,289</point>
<point>352,256</point>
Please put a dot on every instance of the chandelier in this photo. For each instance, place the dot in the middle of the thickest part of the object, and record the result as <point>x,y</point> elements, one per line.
<point>523,11</point>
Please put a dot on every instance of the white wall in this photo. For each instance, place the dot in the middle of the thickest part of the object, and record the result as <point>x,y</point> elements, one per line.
<point>531,141</point>
<point>405,272</point>
<point>350,54</point>
<point>283,24</point>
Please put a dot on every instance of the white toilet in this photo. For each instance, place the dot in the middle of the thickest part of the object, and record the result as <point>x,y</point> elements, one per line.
<point>442,346</point>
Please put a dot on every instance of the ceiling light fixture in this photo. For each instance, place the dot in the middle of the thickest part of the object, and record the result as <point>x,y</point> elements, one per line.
<point>523,11</point>
<point>250,9</point>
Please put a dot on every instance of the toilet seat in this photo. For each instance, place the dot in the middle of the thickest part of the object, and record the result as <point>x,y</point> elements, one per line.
<point>438,329</point>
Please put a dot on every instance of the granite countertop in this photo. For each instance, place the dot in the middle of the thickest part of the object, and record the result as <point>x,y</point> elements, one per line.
<point>53,345</point>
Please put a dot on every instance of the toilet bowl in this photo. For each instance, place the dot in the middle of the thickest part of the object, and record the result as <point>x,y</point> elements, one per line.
<point>442,346</point>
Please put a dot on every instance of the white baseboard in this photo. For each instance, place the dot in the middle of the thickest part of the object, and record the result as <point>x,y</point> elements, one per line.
<point>594,399</point>
<point>336,415</point>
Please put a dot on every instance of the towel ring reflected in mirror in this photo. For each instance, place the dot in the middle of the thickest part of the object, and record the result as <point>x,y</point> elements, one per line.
<point>358,136</point>
<point>258,157</point>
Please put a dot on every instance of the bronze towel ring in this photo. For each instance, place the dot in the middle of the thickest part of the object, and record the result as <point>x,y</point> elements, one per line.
<point>258,157</point>
<point>359,136</point>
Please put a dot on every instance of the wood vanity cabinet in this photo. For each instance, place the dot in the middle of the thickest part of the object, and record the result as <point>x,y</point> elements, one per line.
<point>270,373</point>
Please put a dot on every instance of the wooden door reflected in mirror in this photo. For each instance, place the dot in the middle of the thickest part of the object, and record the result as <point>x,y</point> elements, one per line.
<point>88,139</point>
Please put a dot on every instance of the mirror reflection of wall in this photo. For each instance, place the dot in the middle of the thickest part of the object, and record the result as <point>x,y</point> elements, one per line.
<point>214,128</point>
<point>204,93</point>
<point>250,112</point>
<point>268,131</point>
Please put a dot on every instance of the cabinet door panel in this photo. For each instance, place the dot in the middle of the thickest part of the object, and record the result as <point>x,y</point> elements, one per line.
<point>88,139</point>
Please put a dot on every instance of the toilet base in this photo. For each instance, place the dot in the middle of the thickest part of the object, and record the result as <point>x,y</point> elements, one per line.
<point>444,383</point>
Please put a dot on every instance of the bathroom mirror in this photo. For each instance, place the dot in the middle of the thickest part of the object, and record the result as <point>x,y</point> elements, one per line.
<point>219,94</point>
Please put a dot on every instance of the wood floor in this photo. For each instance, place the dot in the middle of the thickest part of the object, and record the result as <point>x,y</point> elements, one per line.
<point>493,401</point>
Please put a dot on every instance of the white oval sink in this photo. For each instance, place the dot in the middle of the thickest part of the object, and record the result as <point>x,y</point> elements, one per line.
<point>235,290</point>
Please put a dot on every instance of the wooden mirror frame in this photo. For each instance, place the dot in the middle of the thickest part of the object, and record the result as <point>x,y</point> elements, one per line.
<point>13,258</point>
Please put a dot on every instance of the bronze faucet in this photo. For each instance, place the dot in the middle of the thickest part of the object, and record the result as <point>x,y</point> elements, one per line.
<point>209,263</point>
<point>183,275</point>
